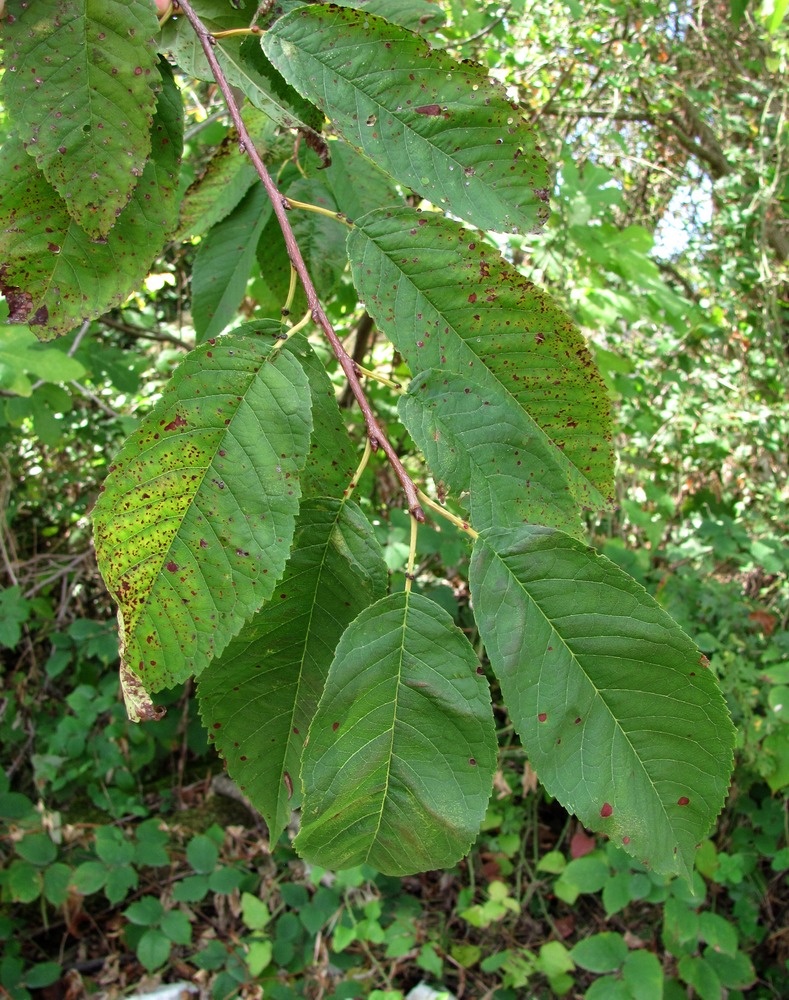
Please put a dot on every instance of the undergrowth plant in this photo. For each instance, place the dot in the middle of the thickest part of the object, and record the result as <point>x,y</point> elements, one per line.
<point>226,530</point>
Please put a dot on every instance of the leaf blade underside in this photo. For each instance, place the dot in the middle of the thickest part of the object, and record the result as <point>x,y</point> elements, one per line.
<point>447,300</point>
<point>258,699</point>
<point>612,701</point>
<point>398,769</point>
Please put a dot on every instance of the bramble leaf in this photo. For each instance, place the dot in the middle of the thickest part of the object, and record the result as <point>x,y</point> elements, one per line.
<point>399,763</point>
<point>258,698</point>
<point>52,273</point>
<point>614,705</point>
<point>437,126</point>
<point>448,301</point>
<point>196,518</point>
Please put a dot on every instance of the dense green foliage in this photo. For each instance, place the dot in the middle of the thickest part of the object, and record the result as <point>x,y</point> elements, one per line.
<point>226,533</point>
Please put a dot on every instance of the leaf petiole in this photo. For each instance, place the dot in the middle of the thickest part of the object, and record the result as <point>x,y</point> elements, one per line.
<point>337,216</point>
<point>438,509</point>
<point>409,573</point>
<point>368,450</point>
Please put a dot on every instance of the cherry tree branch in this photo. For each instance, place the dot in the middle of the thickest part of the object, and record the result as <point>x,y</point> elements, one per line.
<point>377,437</point>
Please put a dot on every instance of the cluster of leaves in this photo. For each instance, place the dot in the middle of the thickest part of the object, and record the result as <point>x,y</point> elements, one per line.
<point>224,531</point>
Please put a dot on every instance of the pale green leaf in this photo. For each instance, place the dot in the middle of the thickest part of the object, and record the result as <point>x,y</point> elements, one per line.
<point>399,763</point>
<point>195,521</point>
<point>258,698</point>
<point>447,300</point>
<point>479,442</point>
<point>53,275</point>
<point>440,127</point>
<point>21,353</point>
<point>224,261</point>
<point>614,705</point>
<point>80,86</point>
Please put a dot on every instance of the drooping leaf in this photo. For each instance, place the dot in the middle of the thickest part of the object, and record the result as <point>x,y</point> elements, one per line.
<point>228,176</point>
<point>80,85</point>
<point>399,763</point>
<point>244,65</point>
<point>447,300</point>
<point>332,460</point>
<point>196,518</point>
<point>224,261</point>
<point>437,126</point>
<point>620,718</point>
<point>53,275</point>
<point>258,698</point>
<point>477,441</point>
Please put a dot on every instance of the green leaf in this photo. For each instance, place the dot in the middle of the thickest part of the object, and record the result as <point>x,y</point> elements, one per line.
<point>24,881</point>
<point>196,519</point>
<point>89,877</point>
<point>145,912</point>
<point>736,972</point>
<point>332,462</point>
<point>448,301</point>
<point>480,442</point>
<point>357,185</point>
<point>411,14</point>
<point>21,353</point>
<point>43,974</point>
<point>228,176</point>
<point>153,949</point>
<point>254,912</point>
<point>619,717</point>
<point>224,261</point>
<point>643,973</point>
<point>54,276</point>
<point>175,924</point>
<point>699,974</point>
<point>601,952</point>
<point>80,86</point>
<point>202,854</point>
<point>57,879</point>
<point>397,771</point>
<point>408,108</point>
<point>244,65</point>
<point>257,700</point>
<point>37,848</point>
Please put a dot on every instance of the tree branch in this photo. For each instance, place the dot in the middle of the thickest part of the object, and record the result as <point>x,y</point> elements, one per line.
<point>377,438</point>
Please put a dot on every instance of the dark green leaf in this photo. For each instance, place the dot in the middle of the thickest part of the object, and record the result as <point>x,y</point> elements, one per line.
<point>603,952</point>
<point>398,769</point>
<point>257,700</point>
<point>80,86</point>
<point>613,702</point>
<point>437,126</point>
<point>449,301</point>
<point>38,848</point>
<point>43,974</point>
<point>224,261</point>
<point>53,275</point>
<point>195,523</point>
<point>202,854</point>
<point>145,912</point>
